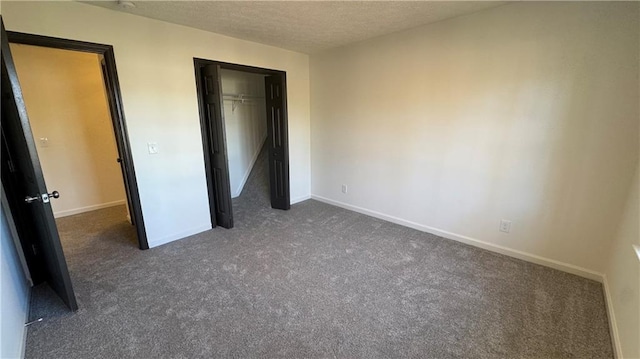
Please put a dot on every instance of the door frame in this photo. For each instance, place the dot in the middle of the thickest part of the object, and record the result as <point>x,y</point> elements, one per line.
<point>112,87</point>
<point>207,140</point>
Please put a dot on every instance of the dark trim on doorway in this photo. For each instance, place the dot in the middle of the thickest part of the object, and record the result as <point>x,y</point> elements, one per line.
<point>115,103</point>
<point>238,67</point>
<point>207,141</point>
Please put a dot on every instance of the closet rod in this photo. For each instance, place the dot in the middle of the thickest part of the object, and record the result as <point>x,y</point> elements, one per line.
<point>239,99</point>
<point>241,96</point>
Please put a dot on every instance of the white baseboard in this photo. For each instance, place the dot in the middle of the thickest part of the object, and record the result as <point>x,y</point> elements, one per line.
<point>71,212</point>
<point>565,267</point>
<point>180,235</point>
<point>248,172</point>
<point>299,199</point>
<point>613,324</point>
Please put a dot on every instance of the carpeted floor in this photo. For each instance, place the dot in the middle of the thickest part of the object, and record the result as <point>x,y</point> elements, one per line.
<point>315,281</point>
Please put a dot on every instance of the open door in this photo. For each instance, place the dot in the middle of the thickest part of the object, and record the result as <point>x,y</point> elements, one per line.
<point>123,169</point>
<point>26,190</point>
<point>277,141</point>
<point>112,88</point>
<point>217,147</point>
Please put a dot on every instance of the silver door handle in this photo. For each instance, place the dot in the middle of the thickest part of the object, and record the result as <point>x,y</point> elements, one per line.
<point>45,197</point>
<point>31,199</point>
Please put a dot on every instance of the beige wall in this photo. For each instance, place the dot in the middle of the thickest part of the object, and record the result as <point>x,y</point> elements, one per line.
<point>623,276</point>
<point>155,68</point>
<point>526,112</point>
<point>67,105</point>
<point>245,126</point>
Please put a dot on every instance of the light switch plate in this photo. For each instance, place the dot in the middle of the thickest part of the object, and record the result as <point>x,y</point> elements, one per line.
<point>153,148</point>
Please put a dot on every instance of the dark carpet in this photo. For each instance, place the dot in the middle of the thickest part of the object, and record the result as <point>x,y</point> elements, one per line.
<point>316,281</point>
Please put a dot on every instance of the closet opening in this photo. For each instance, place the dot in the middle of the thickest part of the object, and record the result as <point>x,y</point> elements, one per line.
<point>243,119</point>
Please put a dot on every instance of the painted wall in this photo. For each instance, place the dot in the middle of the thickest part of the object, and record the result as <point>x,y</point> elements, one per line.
<point>526,112</point>
<point>69,115</point>
<point>155,68</point>
<point>14,295</point>
<point>245,126</point>
<point>623,276</point>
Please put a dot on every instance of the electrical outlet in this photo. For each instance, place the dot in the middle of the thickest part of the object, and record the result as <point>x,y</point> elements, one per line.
<point>344,188</point>
<point>505,226</point>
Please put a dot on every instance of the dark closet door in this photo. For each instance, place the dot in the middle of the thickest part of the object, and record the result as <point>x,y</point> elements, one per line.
<point>217,146</point>
<point>26,190</point>
<point>278,141</point>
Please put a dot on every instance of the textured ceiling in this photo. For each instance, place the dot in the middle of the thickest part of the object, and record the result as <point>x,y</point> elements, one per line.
<point>301,26</point>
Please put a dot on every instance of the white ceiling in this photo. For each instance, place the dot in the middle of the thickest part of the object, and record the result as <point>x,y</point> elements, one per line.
<point>302,26</point>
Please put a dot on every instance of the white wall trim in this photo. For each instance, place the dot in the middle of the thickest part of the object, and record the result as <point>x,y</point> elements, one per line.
<point>71,212</point>
<point>565,267</point>
<point>179,235</point>
<point>249,169</point>
<point>613,324</point>
<point>299,199</point>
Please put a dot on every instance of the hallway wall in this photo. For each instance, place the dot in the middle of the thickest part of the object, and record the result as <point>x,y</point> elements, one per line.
<point>69,116</point>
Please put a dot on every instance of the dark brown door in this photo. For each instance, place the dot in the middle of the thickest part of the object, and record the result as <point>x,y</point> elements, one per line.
<point>123,168</point>
<point>217,148</point>
<point>277,140</point>
<point>26,190</point>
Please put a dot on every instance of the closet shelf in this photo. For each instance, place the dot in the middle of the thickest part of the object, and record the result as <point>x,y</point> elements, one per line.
<point>239,99</point>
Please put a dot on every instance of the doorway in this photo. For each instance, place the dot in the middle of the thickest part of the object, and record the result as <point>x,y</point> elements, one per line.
<point>117,130</point>
<point>69,116</point>
<point>28,197</point>
<point>211,99</point>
